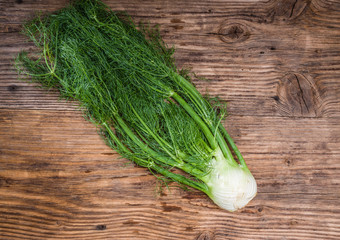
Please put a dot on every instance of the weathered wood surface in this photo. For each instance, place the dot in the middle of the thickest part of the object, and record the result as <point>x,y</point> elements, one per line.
<point>277,63</point>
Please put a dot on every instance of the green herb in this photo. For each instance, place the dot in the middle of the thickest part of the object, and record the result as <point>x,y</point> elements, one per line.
<point>125,78</point>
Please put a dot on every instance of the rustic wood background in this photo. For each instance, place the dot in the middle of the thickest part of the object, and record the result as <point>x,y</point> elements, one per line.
<point>276,63</point>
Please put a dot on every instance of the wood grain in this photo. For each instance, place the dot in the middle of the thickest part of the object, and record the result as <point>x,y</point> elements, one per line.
<point>276,63</point>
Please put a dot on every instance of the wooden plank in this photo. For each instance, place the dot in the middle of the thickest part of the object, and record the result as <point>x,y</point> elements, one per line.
<point>275,62</point>
<point>57,177</point>
<point>251,74</point>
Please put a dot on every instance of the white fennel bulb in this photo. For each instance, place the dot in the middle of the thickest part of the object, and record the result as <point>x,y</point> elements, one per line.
<point>231,186</point>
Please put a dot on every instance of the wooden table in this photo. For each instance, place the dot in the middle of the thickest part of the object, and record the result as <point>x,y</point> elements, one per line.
<point>276,63</point>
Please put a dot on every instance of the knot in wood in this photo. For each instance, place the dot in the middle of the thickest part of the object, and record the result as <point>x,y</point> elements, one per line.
<point>233,32</point>
<point>101,227</point>
<point>206,235</point>
<point>298,96</point>
<point>12,88</point>
<point>288,10</point>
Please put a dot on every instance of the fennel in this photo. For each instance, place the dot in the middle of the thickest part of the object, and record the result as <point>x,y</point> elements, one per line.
<point>126,81</point>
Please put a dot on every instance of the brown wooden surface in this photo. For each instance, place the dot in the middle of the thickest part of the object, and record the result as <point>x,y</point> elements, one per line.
<point>277,63</point>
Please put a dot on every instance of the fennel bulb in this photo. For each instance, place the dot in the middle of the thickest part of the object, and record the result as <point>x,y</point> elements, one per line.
<point>231,186</point>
